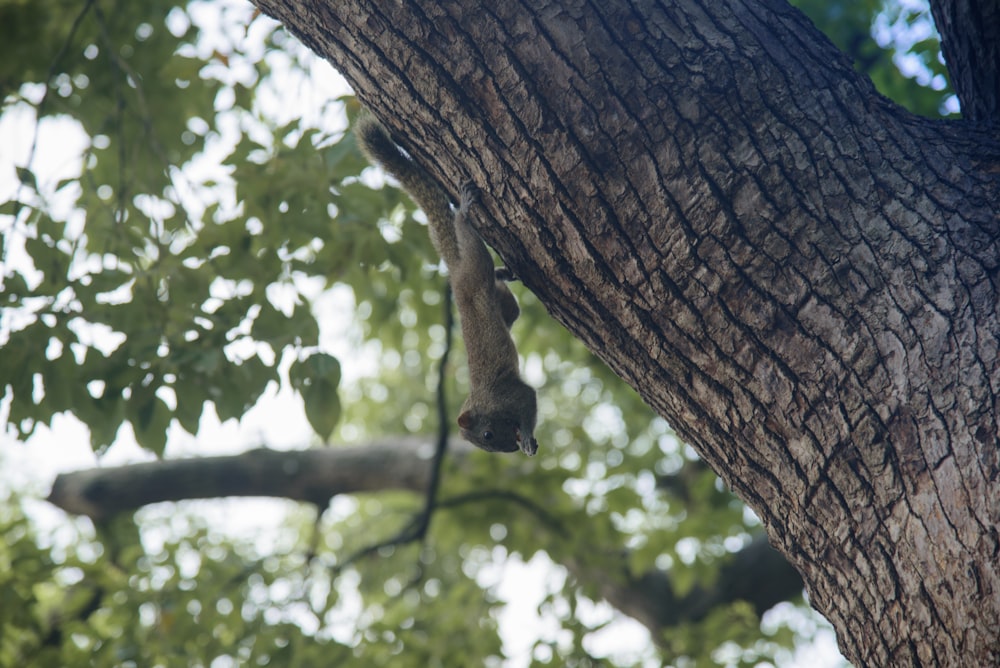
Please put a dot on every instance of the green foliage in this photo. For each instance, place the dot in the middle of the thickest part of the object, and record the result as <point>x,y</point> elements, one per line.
<point>143,287</point>
<point>905,34</point>
<point>180,283</point>
<point>190,603</point>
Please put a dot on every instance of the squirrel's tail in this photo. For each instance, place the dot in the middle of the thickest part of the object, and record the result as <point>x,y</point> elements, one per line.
<point>378,146</point>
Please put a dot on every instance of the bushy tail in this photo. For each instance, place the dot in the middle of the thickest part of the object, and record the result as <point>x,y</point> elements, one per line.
<point>378,146</point>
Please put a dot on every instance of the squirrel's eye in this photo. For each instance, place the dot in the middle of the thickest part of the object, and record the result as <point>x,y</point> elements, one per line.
<point>487,435</point>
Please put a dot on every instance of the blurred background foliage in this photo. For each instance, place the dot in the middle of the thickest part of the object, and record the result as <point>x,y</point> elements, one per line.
<point>209,234</point>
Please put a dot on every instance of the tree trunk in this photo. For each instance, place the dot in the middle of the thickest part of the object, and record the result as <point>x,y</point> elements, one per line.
<point>801,277</point>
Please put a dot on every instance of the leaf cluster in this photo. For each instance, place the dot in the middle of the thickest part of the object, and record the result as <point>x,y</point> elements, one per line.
<point>109,602</point>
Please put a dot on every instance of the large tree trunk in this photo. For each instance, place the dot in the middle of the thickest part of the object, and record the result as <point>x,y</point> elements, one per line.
<point>801,277</point>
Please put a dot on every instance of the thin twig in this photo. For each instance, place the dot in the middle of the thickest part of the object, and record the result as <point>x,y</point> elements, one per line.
<point>444,424</point>
<point>417,528</point>
<point>507,495</point>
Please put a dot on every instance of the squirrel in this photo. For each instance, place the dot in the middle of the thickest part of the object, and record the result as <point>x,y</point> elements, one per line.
<point>500,412</point>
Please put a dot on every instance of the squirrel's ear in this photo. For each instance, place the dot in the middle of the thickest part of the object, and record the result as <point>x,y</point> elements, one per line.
<point>465,420</point>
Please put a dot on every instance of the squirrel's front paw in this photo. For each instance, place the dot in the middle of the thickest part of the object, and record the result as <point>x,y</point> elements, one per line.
<point>470,194</point>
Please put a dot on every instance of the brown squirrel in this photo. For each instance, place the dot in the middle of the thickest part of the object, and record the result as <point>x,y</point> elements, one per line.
<point>500,412</point>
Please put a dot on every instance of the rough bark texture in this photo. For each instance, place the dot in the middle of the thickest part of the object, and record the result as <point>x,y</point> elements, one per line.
<point>757,574</point>
<point>969,31</point>
<point>802,278</point>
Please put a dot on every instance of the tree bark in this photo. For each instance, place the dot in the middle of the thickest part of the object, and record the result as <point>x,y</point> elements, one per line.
<point>969,41</point>
<point>757,574</point>
<point>800,276</point>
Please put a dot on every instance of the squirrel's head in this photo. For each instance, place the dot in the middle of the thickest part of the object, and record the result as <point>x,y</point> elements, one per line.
<point>494,434</point>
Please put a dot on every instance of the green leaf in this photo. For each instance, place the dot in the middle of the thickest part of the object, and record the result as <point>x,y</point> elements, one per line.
<point>322,407</point>
<point>270,324</point>
<point>27,177</point>
<point>150,424</point>
<point>189,410</point>
<point>13,207</point>
<point>316,378</point>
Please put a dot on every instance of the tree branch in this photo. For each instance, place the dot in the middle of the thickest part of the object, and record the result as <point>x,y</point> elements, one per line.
<point>757,573</point>
<point>312,476</point>
<point>970,41</point>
